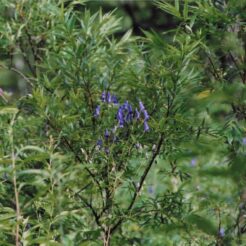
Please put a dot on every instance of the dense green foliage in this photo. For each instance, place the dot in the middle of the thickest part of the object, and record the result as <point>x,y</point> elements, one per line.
<point>79,166</point>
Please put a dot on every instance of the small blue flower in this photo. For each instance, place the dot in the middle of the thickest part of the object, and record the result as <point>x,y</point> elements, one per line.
<point>99,143</point>
<point>151,189</point>
<point>125,106</point>
<point>146,115</point>
<point>193,162</point>
<point>129,108</point>
<point>114,99</point>
<point>129,117</point>
<point>103,97</point>
<point>120,116</point>
<point>222,232</point>
<point>97,111</point>
<point>137,114</point>
<point>108,98</point>
<point>146,126</point>
<point>106,134</point>
<point>141,106</point>
<point>121,123</point>
<point>127,111</point>
<point>244,141</point>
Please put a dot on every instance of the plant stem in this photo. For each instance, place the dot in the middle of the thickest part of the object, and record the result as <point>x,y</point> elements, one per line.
<point>17,203</point>
<point>141,182</point>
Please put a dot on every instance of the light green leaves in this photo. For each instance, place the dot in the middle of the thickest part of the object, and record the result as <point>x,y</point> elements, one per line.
<point>8,110</point>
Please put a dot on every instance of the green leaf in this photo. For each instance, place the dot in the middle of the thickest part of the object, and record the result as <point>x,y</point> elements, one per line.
<point>202,224</point>
<point>8,110</point>
<point>169,8</point>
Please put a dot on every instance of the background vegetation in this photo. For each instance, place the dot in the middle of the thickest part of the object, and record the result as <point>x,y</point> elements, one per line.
<point>125,126</point>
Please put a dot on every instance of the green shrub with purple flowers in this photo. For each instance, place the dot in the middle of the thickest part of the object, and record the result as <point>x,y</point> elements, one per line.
<point>132,140</point>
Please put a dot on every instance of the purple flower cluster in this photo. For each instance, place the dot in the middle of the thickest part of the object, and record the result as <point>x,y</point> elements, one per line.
<point>106,97</point>
<point>109,137</point>
<point>97,111</point>
<point>146,116</point>
<point>125,115</point>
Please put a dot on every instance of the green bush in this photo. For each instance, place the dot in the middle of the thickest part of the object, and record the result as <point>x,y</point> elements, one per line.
<point>138,140</point>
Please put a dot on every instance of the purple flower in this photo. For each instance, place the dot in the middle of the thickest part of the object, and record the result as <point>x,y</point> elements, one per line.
<point>120,117</point>
<point>151,189</point>
<point>141,106</point>
<point>244,141</point>
<point>1,92</point>
<point>222,232</point>
<point>103,97</point>
<point>108,98</point>
<point>114,99</point>
<point>129,117</point>
<point>106,134</point>
<point>121,123</point>
<point>137,114</point>
<point>146,126</point>
<point>97,111</point>
<point>99,143</point>
<point>193,162</point>
<point>125,106</point>
<point>146,115</point>
<point>129,108</point>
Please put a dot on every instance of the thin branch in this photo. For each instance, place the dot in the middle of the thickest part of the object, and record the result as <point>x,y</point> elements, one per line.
<point>22,75</point>
<point>142,179</point>
<point>77,157</point>
<point>215,73</point>
<point>146,171</point>
<point>28,80</point>
<point>82,189</point>
<point>236,65</point>
<point>89,205</point>
<point>17,203</point>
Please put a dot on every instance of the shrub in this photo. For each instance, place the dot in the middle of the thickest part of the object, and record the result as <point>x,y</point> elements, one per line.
<point>129,141</point>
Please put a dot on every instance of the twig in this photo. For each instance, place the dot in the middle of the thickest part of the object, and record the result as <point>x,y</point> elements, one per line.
<point>77,157</point>
<point>215,73</point>
<point>142,179</point>
<point>89,205</point>
<point>17,204</point>
<point>28,80</point>
<point>236,65</point>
